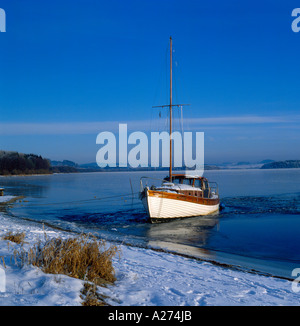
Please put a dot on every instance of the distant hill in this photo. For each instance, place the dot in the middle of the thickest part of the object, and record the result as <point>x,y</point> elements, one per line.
<point>290,164</point>
<point>239,165</point>
<point>243,163</point>
<point>266,161</point>
<point>94,167</point>
<point>63,163</point>
<point>90,166</point>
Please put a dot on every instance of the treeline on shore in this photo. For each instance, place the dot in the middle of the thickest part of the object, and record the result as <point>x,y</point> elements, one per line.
<point>289,164</point>
<point>14,163</point>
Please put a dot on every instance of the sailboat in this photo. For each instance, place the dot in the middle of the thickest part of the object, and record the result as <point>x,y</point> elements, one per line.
<point>178,195</point>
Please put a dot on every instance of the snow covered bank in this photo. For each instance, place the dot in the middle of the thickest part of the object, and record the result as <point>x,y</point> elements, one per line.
<point>6,199</point>
<point>29,286</point>
<point>144,277</point>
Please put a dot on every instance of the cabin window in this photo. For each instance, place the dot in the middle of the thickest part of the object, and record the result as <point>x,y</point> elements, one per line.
<point>206,185</point>
<point>187,181</point>
<point>197,183</point>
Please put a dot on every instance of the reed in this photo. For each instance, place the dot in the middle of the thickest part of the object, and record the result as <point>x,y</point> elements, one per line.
<point>83,257</point>
<point>17,237</point>
<point>91,297</point>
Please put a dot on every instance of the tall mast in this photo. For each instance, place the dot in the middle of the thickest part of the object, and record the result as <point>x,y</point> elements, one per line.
<point>170,170</point>
<point>170,107</point>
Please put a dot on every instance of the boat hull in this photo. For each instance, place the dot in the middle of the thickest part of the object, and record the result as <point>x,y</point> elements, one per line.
<point>163,206</point>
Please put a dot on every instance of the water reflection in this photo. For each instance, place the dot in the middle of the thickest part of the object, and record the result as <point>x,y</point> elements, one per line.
<point>185,236</point>
<point>30,187</point>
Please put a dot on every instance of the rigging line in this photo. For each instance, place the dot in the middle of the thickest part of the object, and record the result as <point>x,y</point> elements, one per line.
<point>182,134</point>
<point>159,89</point>
<point>82,201</point>
<point>175,76</point>
<point>159,96</point>
<point>166,124</point>
<point>181,120</point>
<point>78,205</point>
<point>167,74</point>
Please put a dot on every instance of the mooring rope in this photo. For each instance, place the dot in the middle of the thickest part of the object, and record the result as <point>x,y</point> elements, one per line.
<point>82,201</point>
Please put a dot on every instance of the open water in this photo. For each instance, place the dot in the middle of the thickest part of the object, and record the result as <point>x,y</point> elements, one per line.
<point>257,229</point>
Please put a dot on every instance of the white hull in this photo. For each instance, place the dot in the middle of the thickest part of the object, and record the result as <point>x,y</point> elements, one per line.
<point>166,208</point>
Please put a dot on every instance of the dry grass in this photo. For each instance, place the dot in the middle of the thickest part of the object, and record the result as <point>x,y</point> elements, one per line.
<point>17,237</point>
<point>91,297</point>
<point>83,257</point>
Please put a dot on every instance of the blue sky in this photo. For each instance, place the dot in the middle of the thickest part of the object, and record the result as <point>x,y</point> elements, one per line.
<point>72,69</point>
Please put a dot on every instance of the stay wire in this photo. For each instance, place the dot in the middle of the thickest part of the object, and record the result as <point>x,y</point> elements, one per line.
<point>82,201</point>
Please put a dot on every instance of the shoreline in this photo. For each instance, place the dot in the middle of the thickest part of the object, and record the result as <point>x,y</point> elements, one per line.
<point>144,277</point>
<point>224,259</point>
<point>148,171</point>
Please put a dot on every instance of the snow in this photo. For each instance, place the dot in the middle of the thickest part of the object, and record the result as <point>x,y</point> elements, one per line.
<point>177,187</point>
<point>5,199</point>
<point>144,278</point>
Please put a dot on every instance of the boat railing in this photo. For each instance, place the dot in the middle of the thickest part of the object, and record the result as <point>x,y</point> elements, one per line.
<point>151,179</point>
<point>163,183</point>
<point>212,189</point>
